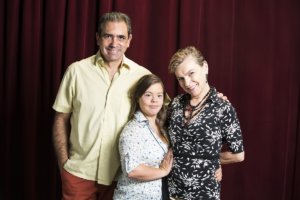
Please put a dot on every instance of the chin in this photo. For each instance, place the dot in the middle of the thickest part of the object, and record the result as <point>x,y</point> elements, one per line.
<point>152,114</point>
<point>193,93</point>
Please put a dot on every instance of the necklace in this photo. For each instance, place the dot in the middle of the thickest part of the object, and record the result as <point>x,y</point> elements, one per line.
<point>153,134</point>
<point>191,111</point>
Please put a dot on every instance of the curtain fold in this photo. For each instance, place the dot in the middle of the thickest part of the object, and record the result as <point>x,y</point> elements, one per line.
<point>252,49</point>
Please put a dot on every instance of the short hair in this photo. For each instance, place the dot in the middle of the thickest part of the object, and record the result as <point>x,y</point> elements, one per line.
<point>181,55</point>
<point>114,17</point>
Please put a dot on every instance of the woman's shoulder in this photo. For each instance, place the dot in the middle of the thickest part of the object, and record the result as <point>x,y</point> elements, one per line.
<point>218,100</point>
<point>130,128</point>
<point>133,126</point>
<point>223,106</point>
<point>178,100</point>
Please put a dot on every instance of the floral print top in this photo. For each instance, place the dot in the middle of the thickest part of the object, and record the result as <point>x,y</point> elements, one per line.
<point>139,144</point>
<point>197,145</point>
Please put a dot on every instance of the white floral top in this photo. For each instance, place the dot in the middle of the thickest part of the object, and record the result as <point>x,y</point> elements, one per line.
<point>139,144</point>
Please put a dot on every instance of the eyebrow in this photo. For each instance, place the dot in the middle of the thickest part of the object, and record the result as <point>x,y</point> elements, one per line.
<point>118,35</point>
<point>186,73</point>
<point>154,93</point>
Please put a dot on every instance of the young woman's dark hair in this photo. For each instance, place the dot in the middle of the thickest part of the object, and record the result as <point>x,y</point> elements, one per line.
<point>140,88</point>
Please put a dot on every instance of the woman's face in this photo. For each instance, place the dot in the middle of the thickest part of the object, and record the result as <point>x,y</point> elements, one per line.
<point>191,76</point>
<point>152,100</point>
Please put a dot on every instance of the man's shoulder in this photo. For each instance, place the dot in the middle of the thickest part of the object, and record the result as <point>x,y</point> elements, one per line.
<point>88,60</point>
<point>135,67</point>
<point>83,63</point>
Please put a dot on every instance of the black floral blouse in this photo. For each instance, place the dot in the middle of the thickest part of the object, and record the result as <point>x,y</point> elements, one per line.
<point>196,146</point>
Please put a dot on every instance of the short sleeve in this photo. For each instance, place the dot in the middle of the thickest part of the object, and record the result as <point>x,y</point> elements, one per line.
<point>130,148</point>
<point>65,94</point>
<point>231,130</point>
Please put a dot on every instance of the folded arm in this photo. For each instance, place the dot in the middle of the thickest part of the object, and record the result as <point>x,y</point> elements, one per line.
<point>144,172</point>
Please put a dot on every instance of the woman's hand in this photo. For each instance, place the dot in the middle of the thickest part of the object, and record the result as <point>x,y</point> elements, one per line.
<point>166,163</point>
<point>144,172</point>
<point>218,174</point>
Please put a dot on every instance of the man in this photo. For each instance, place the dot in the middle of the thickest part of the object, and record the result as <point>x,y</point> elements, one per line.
<point>92,106</point>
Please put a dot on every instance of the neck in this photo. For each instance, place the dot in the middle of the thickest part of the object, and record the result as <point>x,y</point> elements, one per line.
<point>113,65</point>
<point>152,120</point>
<point>112,68</point>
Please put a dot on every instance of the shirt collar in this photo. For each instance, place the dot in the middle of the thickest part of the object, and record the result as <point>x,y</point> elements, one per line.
<point>99,59</point>
<point>213,95</point>
<point>140,117</point>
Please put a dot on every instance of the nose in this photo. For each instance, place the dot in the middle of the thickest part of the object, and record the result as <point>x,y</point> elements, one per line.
<point>114,40</point>
<point>154,98</point>
<point>187,82</point>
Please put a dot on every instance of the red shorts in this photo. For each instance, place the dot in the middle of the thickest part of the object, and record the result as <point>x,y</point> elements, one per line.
<point>75,188</point>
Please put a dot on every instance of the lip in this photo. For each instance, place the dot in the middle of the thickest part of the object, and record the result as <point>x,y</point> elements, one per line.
<point>191,88</point>
<point>154,106</point>
<point>112,51</point>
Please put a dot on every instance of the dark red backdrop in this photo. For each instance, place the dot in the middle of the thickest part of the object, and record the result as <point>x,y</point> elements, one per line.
<point>251,47</point>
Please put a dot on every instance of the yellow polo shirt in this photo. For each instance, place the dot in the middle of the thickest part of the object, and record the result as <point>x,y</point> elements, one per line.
<point>100,109</point>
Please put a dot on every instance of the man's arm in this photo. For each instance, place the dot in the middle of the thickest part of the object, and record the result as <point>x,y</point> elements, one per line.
<point>228,157</point>
<point>61,130</point>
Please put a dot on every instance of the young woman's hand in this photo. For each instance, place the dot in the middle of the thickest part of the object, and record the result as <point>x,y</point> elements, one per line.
<point>166,163</point>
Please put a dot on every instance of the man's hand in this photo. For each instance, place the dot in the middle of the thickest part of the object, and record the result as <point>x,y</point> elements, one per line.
<point>222,96</point>
<point>61,131</point>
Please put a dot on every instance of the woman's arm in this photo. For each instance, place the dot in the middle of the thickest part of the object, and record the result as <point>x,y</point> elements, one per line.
<point>218,174</point>
<point>147,173</point>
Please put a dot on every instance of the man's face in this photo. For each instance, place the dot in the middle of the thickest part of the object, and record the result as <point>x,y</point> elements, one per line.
<point>113,41</point>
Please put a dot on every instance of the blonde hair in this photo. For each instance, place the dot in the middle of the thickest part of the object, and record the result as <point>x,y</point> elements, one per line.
<point>181,55</point>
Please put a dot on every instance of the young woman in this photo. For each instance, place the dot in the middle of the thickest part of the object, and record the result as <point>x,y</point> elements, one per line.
<point>143,145</point>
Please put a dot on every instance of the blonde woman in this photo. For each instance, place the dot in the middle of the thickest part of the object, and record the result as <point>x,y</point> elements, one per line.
<point>199,123</point>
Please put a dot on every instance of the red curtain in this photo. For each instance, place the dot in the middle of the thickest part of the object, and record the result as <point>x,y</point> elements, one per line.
<point>251,47</point>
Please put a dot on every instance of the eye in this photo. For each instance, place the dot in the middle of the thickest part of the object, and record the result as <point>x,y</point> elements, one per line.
<point>191,73</point>
<point>106,36</point>
<point>179,78</point>
<point>160,96</point>
<point>121,37</point>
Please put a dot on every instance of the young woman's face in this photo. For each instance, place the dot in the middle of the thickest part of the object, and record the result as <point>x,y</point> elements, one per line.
<point>191,76</point>
<point>152,100</point>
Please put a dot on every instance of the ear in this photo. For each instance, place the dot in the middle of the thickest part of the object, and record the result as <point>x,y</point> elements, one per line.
<point>205,67</point>
<point>98,38</point>
<point>129,40</point>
